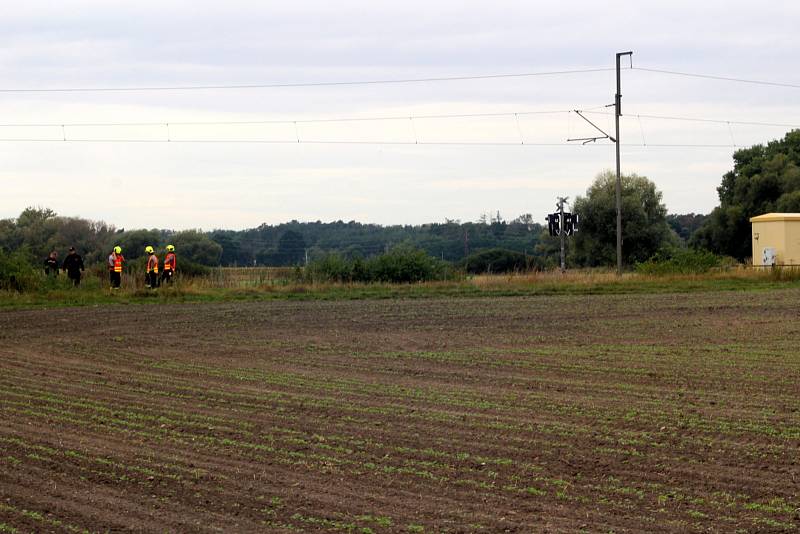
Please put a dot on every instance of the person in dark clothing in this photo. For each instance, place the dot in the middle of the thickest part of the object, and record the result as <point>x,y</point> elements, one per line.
<point>73,265</point>
<point>51,264</point>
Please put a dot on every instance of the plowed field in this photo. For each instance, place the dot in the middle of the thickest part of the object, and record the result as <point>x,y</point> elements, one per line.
<point>598,413</point>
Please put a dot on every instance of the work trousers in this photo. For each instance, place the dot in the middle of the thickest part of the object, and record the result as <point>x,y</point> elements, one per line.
<point>115,278</point>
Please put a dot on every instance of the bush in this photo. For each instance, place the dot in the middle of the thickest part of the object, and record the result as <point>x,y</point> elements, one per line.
<point>405,264</point>
<point>17,273</point>
<point>189,269</point>
<point>331,268</point>
<point>497,260</point>
<point>682,261</point>
<point>402,264</point>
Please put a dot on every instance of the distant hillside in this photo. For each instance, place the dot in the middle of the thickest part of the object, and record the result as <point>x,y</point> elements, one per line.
<point>288,243</point>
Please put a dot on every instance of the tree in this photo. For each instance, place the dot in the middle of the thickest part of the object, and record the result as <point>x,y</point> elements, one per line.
<point>196,246</point>
<point>133,242</point>
<point>686,224</point>
<point>231,247</point>
<point>764,179</point>
<point>291,248</point>
<point>644,225</point>
<point>36,229</point>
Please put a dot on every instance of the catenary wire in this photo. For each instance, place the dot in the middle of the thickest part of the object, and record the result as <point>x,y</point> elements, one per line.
<point>511,114</point>
<point>353,142</point>
<point>301,84</point>
<point>697,119</point>
<point>719,78</point>
<point>289,121</point>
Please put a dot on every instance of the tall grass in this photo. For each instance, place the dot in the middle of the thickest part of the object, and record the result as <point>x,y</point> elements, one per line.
<point>223,284</point>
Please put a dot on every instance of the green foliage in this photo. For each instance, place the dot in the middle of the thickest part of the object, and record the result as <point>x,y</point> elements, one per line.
<point>681,261</point>
<point>686,224</point>
<point>402,264</point>
<point>276,246</point>
<point>644,225</point>
<point>188,268</point>
<point>17,273</point>
<point>134,242</point>
<point>291,248</point>
<point>498,260</point>
<point>764,179</point>
<point>195,246</point>
<point>548,250</point>
<point>789,202</point>
<point>40,231</point>
<point>331,268</point>
<point>405,264</point>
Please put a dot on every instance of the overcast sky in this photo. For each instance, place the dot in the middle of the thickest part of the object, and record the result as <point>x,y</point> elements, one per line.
<point>239,185</point>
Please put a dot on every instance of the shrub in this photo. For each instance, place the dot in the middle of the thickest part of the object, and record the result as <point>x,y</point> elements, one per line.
<point>497,260</point>
<point>682,261</point>
<point>189,269</point>
<point>402,264</point>
<point>405,264</point>
<point>331,268</point>
<point>17,273</point>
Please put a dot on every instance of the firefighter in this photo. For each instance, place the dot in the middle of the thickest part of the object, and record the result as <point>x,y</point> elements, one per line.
<point>115,260</point>
<point>169,265</point>
<point>151,273</point>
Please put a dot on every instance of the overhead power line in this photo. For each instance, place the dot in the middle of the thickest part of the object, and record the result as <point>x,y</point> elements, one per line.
<point>279,85</point>
<point>719,78</point>
<point>698,119</point>
<point>289,121</point>
<point>510,114</point>
<point>298,84</point>
<point>355,142</point>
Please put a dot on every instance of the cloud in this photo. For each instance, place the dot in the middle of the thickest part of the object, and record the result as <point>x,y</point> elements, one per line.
<point>99,43</point>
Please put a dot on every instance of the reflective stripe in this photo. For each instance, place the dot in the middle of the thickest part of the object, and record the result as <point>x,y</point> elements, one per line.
<point>169,262</point>
<point>118,263</point>
<point>152,264</point>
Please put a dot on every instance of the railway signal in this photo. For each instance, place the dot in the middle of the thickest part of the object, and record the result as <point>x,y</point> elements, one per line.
<point>562,224</point>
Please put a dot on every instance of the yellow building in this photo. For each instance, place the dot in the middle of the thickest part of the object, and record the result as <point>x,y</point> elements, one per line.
<point>776,239</point>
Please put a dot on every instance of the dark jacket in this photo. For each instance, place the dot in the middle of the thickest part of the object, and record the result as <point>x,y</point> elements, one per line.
<point>73,264</point>
<point>51,266</point>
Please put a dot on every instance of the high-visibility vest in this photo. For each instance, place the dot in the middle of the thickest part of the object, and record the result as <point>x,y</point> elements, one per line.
<point>152,263</point>
<point>169,261</point>
<point>118,259</point>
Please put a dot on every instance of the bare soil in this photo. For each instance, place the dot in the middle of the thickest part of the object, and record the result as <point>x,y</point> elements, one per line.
<point>652,413</point>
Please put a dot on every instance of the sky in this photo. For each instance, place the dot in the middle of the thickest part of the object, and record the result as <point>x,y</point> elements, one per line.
<point>405,169</point>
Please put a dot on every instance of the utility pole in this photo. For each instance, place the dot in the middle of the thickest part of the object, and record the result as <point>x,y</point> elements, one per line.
<point>562,227</point>
<point>617,114</point>
<point>466,242</point>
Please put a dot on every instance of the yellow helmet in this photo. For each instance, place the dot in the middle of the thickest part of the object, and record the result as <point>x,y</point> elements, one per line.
<point>118,250</point>
<point>148,249</point>
<point>170,248</point>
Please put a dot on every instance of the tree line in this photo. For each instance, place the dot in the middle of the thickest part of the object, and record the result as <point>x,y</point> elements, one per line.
<point>764,178</point>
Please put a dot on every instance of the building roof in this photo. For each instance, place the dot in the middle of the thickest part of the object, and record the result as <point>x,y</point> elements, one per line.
<point>773,217</point>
